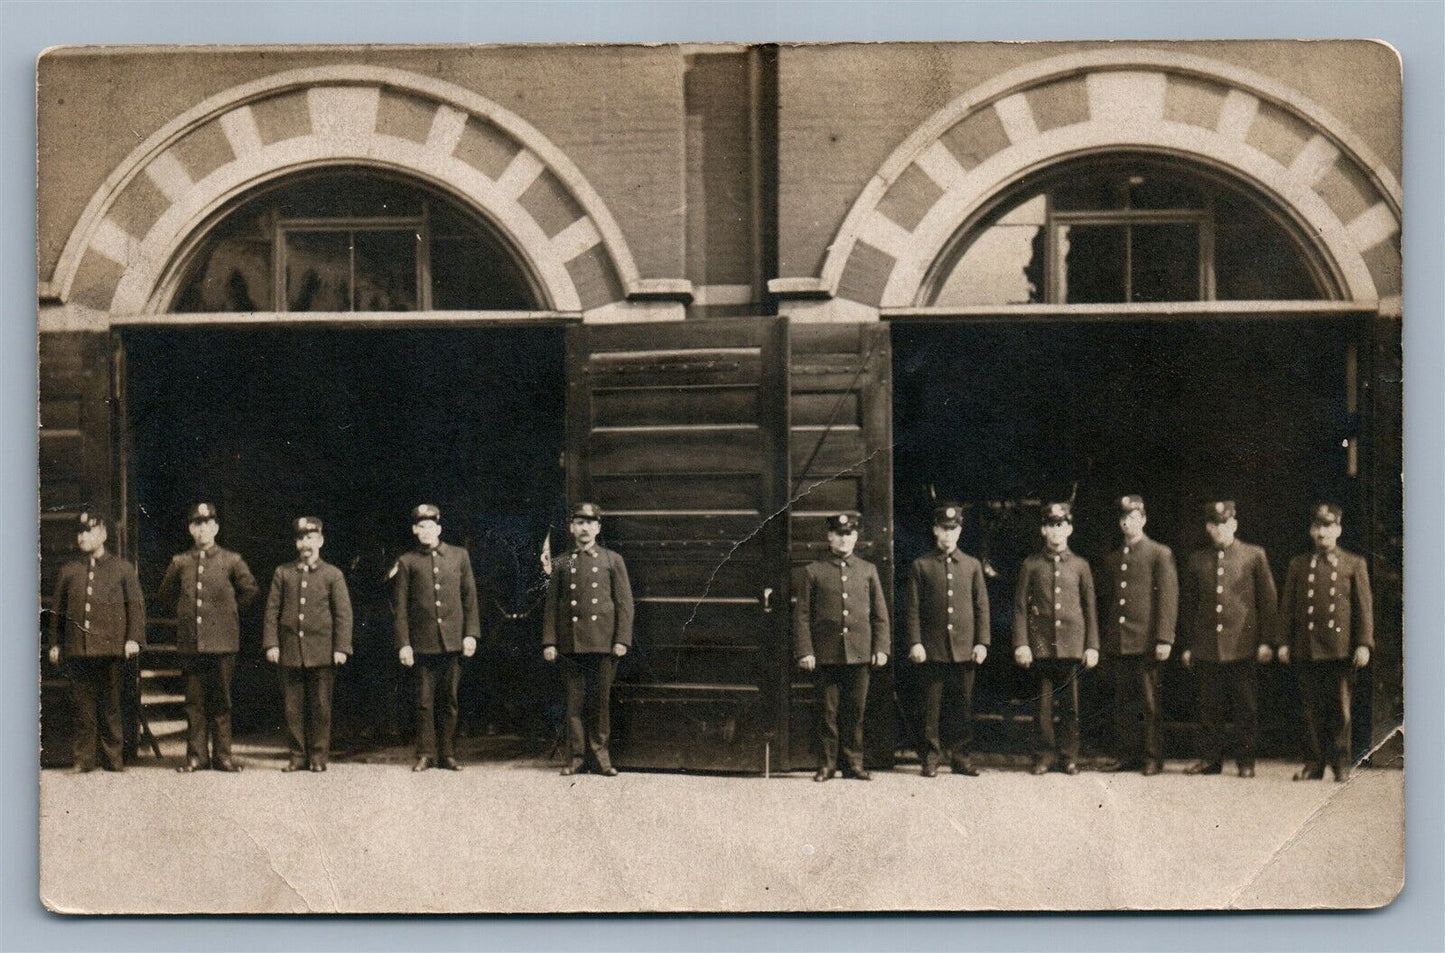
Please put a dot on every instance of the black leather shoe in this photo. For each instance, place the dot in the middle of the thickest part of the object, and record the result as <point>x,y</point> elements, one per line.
<point>823,774</point>
<point>1204,767</point>
<point>965,768</point>
<point>1342,771</point>
<point>1310,772</point>
<point>115,769</point>
<point>191,765</point>
<point>87,768</point>
<point>1040,767</point>
<point>1115,765</point>
<point>318,767</point>
<point>1152,768</point>
<point>1246,770</point>
<point>857,774</point>
<point>571,769</point>
<point>422,763</point>
<point>294,766</point>
<point>929,771</point>
<point>1070,768</point>
<point>450,764</point>
<point>227,765</point>
<point>608,772</point>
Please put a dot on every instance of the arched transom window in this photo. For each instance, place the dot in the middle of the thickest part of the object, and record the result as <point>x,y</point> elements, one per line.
<point>350,240</point>
<point>1129,229</point>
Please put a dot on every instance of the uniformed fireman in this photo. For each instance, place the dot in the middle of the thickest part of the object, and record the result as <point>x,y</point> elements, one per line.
<point>1138,606</point>
<point>434,597</point>
<point>1228,607</point>
<point>588,622</point>
<point>1328,619</point>
<point>947,626</point>
<point>1054,628</point>
<point>307,632</point>
<point>97,621</point>
<point>208,586</point>
<point>840,626</point>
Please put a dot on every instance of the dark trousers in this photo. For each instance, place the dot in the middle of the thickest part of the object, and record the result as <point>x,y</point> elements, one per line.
<point>437,679</point>
<point>842,698</point>
<point>588,681</point>
<point>307,693</point>
<point>95,687</point>
<point>1327,688</point>
<point>1136,709</point>
<point>208,705</point>
<point>1058,687</point>
<point>958,678</point>
<point>1228,689</point>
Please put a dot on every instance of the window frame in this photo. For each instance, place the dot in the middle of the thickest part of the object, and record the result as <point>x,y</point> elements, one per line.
<point>1043,183</point>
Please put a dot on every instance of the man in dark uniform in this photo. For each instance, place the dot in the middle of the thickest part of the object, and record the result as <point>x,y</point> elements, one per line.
<point>1139,599</point>
<point>588,622</point>
<point>840,625</point>
<point>1328,616</point>
<point>1055,627</point>
<point>947,626</point>
<point>435,605</point>
<point>97,621</point>
<point>308,631</point>
<point>208,586</point>
<point>1229,607</point>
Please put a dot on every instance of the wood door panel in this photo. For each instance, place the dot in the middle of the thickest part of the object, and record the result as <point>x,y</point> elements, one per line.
<point>679,432</point>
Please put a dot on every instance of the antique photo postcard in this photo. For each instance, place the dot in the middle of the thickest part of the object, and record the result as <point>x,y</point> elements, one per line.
<point>720,478</point>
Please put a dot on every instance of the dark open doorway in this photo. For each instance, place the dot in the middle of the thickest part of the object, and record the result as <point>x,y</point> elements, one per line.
<point>356,426</point>
<point>1001,416</point>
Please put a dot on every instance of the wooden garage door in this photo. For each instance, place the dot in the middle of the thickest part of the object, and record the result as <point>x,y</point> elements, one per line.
<point>679,431</point>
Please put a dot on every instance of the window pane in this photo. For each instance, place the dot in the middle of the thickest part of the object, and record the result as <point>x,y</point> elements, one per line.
<point>1093,257</point>
<point>468,274</point>
<point>347,195</point>
<point>318,271</point>
<point>1255,259</point>
<point>386,271</point>
<point>1154,190</point>
<point>1090,193</point>
<point>232,272</point>
<point>1166,262</point>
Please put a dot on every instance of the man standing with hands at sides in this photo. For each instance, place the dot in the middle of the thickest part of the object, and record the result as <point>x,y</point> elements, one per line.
<point>588,623</point>
<point>437,622</point>
<point>1229,606</point>
<point>208,586</point>
<point>97,621</point>
<point>1140,604</point>
<point>1055,627</point>
<point>840,624</point>
<point>947,626</point>
<point>307,632</point>
<point>1328,617</point>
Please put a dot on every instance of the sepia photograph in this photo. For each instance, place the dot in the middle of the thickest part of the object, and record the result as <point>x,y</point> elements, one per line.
<point>720,478</point>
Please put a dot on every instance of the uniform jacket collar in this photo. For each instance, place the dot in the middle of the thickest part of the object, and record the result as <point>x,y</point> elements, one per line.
<point>955,556</point>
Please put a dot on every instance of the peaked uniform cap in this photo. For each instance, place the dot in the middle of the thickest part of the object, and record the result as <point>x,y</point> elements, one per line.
<point>1219,511</point>
<point>426,511</point>
<point>201,512</point>
<point>587,511</point>
<point>948,515</point>
<point>307,524</point>
<point>843,523</point>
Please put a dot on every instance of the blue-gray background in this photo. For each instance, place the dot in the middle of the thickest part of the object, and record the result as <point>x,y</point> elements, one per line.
<point>1416,921</point>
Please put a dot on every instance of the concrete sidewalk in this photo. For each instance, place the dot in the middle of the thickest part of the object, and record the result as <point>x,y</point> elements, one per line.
<point>511,835</point>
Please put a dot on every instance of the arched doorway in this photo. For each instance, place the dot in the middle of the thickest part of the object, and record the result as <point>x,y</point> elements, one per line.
<point>326,351</point>
<point>1127,322</point>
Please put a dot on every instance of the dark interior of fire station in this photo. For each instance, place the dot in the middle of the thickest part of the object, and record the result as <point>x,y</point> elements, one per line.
<point>1002,416</point>
<point>356,427</point>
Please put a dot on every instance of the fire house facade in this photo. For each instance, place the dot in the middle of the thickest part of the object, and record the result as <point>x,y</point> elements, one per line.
<point>724,291</point>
